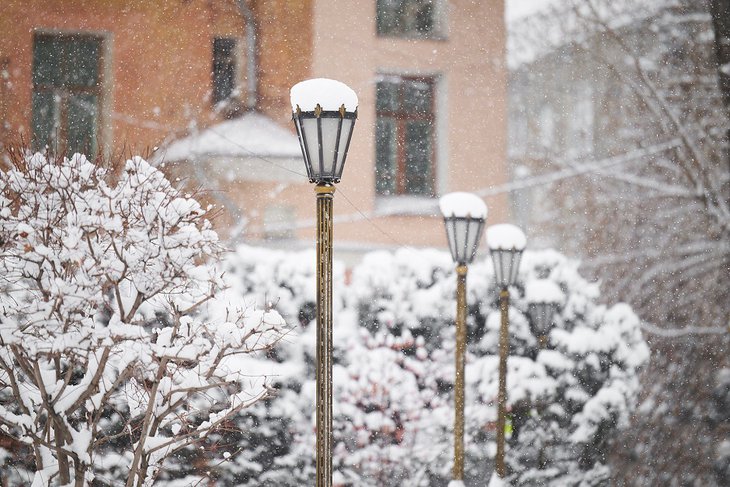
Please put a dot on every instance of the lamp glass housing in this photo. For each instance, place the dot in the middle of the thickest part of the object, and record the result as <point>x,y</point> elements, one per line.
<point>506,264</point>
<point>324,137</point>
<point>463,234</point>
<point>541,317</point>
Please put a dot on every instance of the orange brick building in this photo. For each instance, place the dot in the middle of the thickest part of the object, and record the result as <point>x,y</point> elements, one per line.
<point>166,78</point>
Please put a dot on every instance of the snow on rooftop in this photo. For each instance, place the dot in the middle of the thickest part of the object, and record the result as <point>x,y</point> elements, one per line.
<point>462,205</point>
<point>543,291</point>
<point>328,93</point>
<point>252,135</point>
<point>505,236</point>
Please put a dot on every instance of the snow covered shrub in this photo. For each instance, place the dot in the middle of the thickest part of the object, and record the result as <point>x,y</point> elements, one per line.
<point>106,368</point>
<point>393,376</point>
<point>566,400</point>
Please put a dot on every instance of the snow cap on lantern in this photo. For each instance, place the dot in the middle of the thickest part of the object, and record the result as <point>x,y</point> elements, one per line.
<point>464,216</point>
<point>324,113</point>
<point>506,243</point>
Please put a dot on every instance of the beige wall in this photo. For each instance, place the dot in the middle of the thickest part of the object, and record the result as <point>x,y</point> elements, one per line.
<point>471,118</point>
<point>471,105</point>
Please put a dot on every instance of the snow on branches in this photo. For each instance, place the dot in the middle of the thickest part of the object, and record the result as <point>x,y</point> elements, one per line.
<point>118,346</point>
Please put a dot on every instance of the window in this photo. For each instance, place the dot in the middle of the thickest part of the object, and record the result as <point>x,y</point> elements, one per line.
<point>66,92</point>
<point>224,68</point>
<point>407,18</point>
<point>404,137</point>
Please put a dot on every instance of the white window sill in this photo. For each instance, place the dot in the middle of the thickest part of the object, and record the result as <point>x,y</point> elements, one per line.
<point>405,205</point>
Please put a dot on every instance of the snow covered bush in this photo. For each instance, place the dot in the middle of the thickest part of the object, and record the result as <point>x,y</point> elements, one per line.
<point>107,367</point>
<point>394,348</point>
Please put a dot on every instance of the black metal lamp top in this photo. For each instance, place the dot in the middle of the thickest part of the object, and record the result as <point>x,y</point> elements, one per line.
<point>506,243</point>
<point>544,298</point>
<point>324,113</point>
<point>464,216</point>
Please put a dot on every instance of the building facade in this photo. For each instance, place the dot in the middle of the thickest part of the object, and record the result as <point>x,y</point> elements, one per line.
<point>136,77</point>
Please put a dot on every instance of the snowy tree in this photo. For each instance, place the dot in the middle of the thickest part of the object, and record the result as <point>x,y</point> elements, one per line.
<point>394,345</point>
<point>650,215</point>
<point>106,368</point>
<point>567,400</point>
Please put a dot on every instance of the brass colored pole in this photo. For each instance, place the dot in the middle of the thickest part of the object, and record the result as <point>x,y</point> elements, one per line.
<point>502,396</point>
<point>325,194</point>
<point>458,471</point>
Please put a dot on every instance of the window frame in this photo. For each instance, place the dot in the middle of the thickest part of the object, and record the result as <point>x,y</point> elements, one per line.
<point>58,139</point>
<point>401,118</point>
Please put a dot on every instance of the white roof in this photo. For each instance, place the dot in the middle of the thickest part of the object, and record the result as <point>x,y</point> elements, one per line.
<point>462,205</point>
<point>251,135</point>
<point>505,237</point>
<point>328,93</point>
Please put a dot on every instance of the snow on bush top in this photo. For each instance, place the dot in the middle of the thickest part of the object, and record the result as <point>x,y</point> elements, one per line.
<point>462,205</point>
<point>543,291</point>
<point>328,93</point>
<point>505,237</point>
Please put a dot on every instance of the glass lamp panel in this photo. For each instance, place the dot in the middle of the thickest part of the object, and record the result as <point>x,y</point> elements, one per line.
<point>506,262</point>
<point>330,126</point>
<point>449,224</point>
<point>347,126</point>
<point>516,257</point>
<point>298,125</point>
<point>461,226</point>
<point>311,141</point>
<point>497,264</point>
<point>537,313</point>
<point>472,242</point>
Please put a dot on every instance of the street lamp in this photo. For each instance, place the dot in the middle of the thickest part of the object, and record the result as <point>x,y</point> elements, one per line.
<point>324,113</point>
<point>544,298</point>
<point>464,215</point>
<point>506,243</point>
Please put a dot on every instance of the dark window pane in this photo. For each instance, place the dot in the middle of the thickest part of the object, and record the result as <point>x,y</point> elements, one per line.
<point>44,121</point>
<point>47,54</point>
<point>408,18</point>
<point>417,97</point>
<point>66,92</point>
<point>387,15</point>
<point>418,170</point>
<point>224,68</point>
<point>385,156</point>
<point>81,61</point>
<point>387,96</point>
<point>82,116</point>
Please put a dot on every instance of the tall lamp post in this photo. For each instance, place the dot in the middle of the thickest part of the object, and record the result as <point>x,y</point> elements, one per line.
<point>506,243</point>
<point>544,298</point>
<point>464,216</point>
<point>324,113</point>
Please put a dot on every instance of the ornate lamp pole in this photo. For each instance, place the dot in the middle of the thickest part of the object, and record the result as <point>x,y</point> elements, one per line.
<point>464,215</point>
<point>324,113</point>
<point>544,298</point>
<point>506,243</point>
